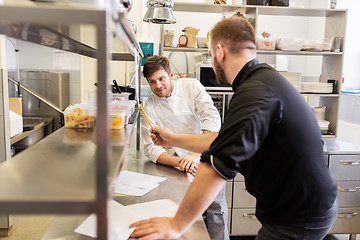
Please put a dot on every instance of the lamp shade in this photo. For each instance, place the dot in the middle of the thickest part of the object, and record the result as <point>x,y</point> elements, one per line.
<point>160,11</point>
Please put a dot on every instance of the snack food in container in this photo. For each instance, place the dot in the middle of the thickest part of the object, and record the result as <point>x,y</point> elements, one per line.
<point>80,116</point>
<point>117,118</point>
<point>125,106</point>
<point>265,42</point>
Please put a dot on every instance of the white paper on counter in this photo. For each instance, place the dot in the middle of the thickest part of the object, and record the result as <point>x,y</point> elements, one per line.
<point>133,191</point>
<point>157,208</point>
<point>136,184</point>
<point>119,219</point>
<point>138,179</point>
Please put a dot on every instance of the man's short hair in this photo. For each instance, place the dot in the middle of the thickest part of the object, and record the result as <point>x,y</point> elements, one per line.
<point>155,63</point>
<point>235,32</point>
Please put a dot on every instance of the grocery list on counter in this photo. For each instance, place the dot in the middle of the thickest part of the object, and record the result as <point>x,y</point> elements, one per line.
<point>136,184</point>
<point>120,217</point>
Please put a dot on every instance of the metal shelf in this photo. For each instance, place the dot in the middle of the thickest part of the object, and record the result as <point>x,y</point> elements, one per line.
<point>185,49</point>
<point>65,177</point>
<point>31,30</point>
<point>262,10</point>
<point>58,174</point>
<point>300,53</point>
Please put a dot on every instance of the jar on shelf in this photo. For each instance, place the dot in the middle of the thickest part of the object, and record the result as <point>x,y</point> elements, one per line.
<point>183,39</point>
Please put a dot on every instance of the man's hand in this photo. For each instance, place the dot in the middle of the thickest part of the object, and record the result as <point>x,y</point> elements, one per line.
<point>156,228</point>
<point>161,136</point>
<point>190,163</point>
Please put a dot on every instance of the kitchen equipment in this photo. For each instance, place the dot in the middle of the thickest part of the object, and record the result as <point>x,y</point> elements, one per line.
<point>116,86</point>
<point>52,86</point>
<point>206,58</point>
<point>256,2</point>
<point>284,3</point>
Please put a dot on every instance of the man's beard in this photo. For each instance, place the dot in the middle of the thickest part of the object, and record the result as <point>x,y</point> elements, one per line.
<point>219,73</point>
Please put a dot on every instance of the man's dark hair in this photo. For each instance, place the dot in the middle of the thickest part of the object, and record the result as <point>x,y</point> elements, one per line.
<point>235,32</point>
<point>155,63</point>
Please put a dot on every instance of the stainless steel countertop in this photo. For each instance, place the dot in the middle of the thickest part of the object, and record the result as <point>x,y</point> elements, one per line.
<point>338,147</point>
<point>174,188</point>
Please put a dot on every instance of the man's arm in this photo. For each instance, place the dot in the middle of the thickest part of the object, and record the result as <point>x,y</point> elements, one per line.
<point>192,142</point>
<point>167,159</point>
<point>202,192</point>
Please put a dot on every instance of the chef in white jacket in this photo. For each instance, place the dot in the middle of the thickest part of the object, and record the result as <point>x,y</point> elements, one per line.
<point>183,106</point>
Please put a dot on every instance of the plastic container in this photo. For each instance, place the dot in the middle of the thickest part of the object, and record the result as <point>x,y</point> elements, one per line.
<point>117,119</point>
<point>120,96</point>
<point>128,107</point>
<point>79,116</point>
<point>266,43</point>
<point>289,44</point>
<point>319,113</point>
<point>324,126</point>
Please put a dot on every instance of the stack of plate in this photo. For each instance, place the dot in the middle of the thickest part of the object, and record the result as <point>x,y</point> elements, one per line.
<point>317,87</point>
<point>293,78</point>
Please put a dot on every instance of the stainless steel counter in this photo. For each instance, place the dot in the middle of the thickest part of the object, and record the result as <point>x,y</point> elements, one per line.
<point>173,188</point>
<point>335,146</point>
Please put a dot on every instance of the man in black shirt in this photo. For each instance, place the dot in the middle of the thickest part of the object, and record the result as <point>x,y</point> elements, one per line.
<point>269,135</point>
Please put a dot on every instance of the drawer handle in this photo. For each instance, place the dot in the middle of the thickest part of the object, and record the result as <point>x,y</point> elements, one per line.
<point>249,215</point>
<point>342,162</point>
<point>340,189</point>
<point>347,215</point>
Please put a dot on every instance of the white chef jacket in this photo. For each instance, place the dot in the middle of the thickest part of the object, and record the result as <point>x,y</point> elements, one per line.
<point>189,109</point>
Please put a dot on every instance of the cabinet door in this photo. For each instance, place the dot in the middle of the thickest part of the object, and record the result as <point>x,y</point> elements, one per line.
<point>244,222</point>
<point>242,199</point>
<point>345,167</point>
<point>229,193</point>
<point>348,221</point>
<point>349,193</point>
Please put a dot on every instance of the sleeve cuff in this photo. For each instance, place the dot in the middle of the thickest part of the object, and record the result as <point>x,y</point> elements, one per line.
<point>155,153</point>
<point>218,166</point>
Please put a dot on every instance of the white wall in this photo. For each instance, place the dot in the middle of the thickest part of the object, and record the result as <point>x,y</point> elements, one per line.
<point>351,68</point>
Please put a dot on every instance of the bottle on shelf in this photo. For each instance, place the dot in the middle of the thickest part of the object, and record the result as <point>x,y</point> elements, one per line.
<point>183,39</point>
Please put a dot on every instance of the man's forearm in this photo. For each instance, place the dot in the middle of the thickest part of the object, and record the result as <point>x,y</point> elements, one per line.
<point>194,142</point>
<point>167,159</point>
<point>202,192</point>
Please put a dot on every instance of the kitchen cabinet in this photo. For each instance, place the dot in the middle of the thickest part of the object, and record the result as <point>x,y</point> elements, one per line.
<point>332,22</point>
<point>69,174</point>
<point>344,164</point>
<point>343,159</point>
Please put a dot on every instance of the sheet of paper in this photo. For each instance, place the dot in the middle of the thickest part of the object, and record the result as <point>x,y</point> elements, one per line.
<point>119,218</point>
<point>138,179</point>
<point>157,208</point>
<point>133,191</point>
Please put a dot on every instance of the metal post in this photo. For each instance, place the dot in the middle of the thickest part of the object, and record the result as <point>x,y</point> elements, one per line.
<point>102,126</point>
<point>139,95</point>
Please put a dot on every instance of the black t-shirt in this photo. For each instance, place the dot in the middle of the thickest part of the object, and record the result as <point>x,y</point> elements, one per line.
<point>270,135</point>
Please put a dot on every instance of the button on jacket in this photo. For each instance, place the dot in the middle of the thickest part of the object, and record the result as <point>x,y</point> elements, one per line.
<point>271,136</point>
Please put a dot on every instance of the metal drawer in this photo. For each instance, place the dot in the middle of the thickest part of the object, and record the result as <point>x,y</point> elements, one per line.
<point>244,222</point>
<point>345,167</point>
<point>229,220</point>
<point>348,221</point>
<point>242,199</point>
<point>349,193</point>
<point>228,193</point>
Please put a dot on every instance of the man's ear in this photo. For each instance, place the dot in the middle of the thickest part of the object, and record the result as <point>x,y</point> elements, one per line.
<point>220,52</point>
